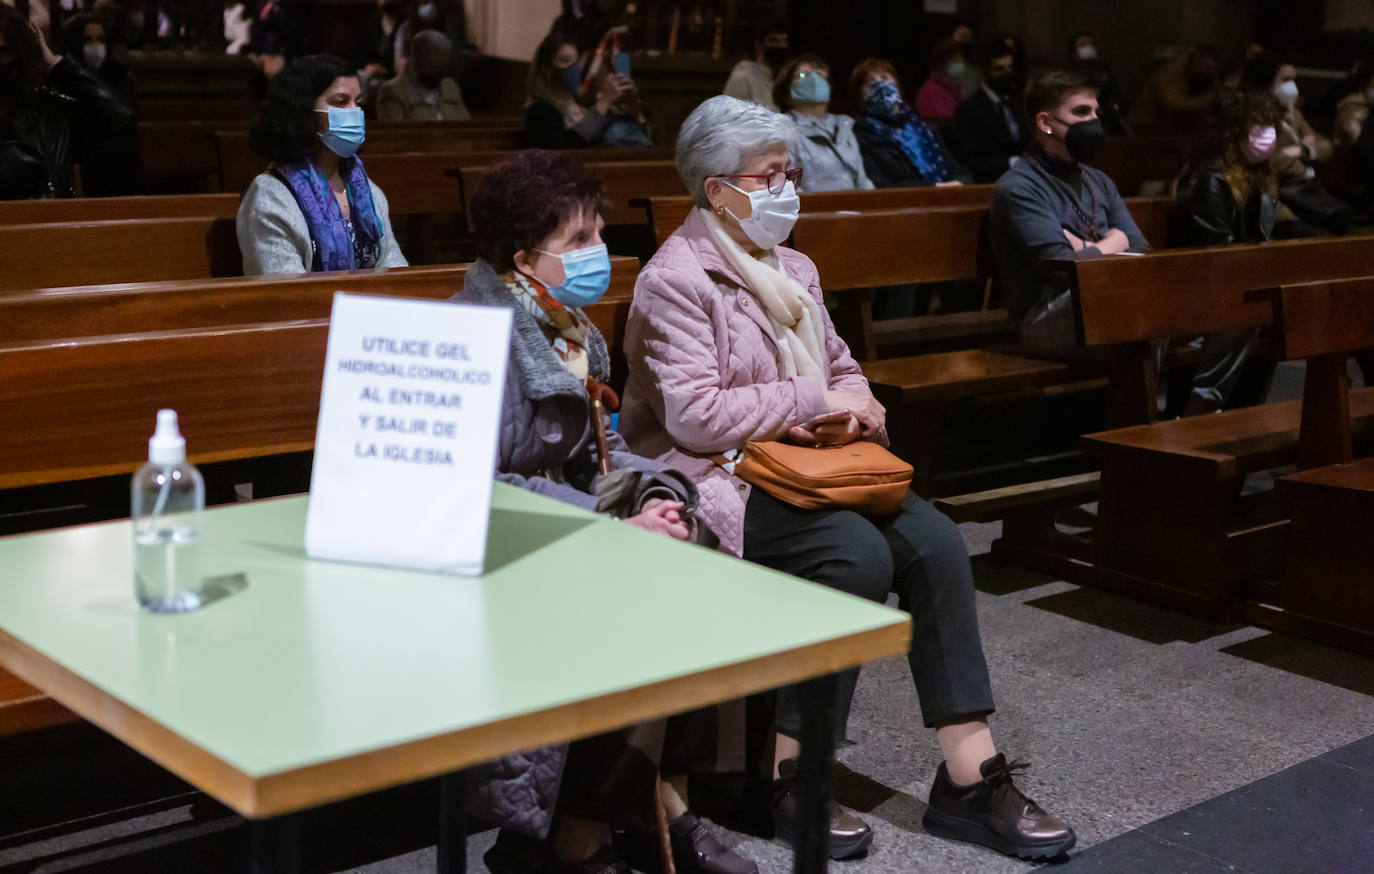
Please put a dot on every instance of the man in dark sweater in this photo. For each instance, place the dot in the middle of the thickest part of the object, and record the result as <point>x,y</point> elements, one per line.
<point>1053,206</point>
<point>988,135</point>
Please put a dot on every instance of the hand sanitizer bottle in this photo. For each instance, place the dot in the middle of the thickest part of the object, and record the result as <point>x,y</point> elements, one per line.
<point>168,497</point>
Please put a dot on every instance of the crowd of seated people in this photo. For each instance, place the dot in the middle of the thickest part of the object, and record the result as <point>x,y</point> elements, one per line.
<point>728,338</point>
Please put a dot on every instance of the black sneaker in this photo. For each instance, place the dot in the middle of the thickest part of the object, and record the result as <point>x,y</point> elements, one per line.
<point>848,835</point>
<point>994,813</point>
<point>516,853</point>
<point>696,850</point>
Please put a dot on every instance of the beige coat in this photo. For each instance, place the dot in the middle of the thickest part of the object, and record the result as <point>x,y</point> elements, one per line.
<point>404,99</point>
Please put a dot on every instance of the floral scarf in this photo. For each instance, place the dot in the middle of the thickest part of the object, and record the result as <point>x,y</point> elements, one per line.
<point>565,327</point>
<point>887,116</point>
<point>339,245</point>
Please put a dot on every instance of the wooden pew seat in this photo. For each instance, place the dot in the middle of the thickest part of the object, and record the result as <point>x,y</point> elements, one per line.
<point>945,376</point>
<point>94,209</point>
<point>24,708</point>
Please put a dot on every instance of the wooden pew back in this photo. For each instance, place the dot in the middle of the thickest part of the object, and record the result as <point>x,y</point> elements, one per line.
<point>1193,291</point>
<point>132,250</point>
<point>892,246</point>
<point>666,214</point>
<point>626,182</point>
<point>1321,318</point>
<point>1133,161</point>
<point>52,314</point>
<point>96,209</point>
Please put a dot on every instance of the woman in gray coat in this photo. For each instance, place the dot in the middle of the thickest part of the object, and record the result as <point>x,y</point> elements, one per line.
<point>538,222</point>
<point>314,208</point>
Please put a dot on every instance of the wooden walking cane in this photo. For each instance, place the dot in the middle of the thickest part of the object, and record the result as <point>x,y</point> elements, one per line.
<point>603,397</point>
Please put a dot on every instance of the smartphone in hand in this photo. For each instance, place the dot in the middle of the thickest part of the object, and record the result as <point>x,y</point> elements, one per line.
<point>831,417</point>
<point>620,62</point>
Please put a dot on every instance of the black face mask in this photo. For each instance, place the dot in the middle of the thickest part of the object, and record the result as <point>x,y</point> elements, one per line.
<point>1084,139</point>
<point>1002,83</point>
<point>774,56</point>
<point>1199,82</point>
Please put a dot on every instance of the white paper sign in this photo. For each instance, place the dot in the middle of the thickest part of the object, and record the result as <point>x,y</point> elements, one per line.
<point>406,443</point>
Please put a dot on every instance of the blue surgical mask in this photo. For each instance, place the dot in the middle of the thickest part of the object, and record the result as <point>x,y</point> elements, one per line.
<point>428,11</point>
<point>811,88</point>
<point>957,69</point>
<point>347,131</point>
<point>883,99</point>
<point>572,76</point>
<point>586,276</point>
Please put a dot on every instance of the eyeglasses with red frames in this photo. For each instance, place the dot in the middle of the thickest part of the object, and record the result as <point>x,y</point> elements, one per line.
<point>774,181</point>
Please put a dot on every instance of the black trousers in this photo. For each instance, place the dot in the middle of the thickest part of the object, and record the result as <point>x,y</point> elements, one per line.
<point>919,554</point>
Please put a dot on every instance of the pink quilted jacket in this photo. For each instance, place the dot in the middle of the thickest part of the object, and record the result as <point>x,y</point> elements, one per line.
<point>704,370</point>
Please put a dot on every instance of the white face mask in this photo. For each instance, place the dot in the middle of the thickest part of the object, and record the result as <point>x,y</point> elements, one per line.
<point>1287,92</point>
<point>772,215</point>
<point>95,54</point>
<point>1086,53</point>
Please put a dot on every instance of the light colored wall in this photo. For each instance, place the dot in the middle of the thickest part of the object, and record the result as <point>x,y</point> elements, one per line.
<point>510,28</point>
<point>1129,34</point>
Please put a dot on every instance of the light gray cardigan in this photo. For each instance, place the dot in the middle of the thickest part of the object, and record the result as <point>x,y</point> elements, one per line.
<point>274,237</point>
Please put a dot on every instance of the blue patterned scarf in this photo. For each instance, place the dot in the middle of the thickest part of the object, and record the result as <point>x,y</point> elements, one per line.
<point>886,115</point>
<point>335,248</point>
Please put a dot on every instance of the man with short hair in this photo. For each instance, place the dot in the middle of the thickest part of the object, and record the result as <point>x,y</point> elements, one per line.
<point>1052,206</point>
<point>422,91</point>
<point>988,134</point>
<point>752,78</point>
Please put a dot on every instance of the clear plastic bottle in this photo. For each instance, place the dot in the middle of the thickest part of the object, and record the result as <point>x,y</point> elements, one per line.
<point>168,498</point>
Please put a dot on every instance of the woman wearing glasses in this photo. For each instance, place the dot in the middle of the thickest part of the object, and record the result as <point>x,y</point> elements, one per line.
<point>823,144</point>
<point>728,341</point>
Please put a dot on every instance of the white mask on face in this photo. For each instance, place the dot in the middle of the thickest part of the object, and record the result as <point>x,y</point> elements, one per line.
<point>94,53</point>
<point>772,215</point>
<point>1287,93</point>
<point>1086,53</point>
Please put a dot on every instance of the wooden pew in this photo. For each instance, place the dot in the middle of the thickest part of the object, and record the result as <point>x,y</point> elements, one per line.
<point>1327,586</point>
<point>55,314</point>
<point>1124,303</point>
<point>1178,482</point>
<point>627,182</point>
<point>238,162</point>
<point>667,213</point>
<point>130,250</point>
<point>93,209</point>
<point>935,244</point>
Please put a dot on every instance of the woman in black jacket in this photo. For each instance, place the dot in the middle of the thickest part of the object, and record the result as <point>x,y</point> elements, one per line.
<point>1226,195</point>
<point>51,113</point>
<point>1227,192</point>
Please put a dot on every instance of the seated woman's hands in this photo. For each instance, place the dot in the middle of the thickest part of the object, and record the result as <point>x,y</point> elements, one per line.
<point>871,415</point>
<point>662,517</point>
<point>827,430</point>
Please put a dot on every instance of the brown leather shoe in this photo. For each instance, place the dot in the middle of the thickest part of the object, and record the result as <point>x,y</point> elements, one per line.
<point>994,813</point>
<point>696,850</point>
<point>848,835</point>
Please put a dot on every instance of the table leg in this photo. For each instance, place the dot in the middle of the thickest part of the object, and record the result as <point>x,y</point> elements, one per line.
<point>817,753</point>
<point>274,845</point>
<point>453,834</point>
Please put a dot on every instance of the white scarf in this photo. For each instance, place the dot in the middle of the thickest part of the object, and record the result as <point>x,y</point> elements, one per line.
<point>798,326</point>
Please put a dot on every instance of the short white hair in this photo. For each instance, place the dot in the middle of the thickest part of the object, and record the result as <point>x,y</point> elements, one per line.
<point>720,135</point>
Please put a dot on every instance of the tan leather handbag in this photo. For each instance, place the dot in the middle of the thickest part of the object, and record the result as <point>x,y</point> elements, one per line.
<point>863,477</point>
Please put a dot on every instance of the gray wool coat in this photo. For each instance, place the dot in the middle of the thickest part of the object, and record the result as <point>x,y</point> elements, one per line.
<point>544,424</point>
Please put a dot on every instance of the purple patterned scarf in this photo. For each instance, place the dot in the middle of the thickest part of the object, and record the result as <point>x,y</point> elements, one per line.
<point>334,250</point>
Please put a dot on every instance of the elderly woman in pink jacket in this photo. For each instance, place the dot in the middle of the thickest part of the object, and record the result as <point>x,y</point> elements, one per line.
<point>728,341</point>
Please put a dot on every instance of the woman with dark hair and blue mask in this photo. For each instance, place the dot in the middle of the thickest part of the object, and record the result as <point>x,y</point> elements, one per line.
<point>823,144</point>
<point>314,208</point>
<point>565,110</point>
<point>899,149</point>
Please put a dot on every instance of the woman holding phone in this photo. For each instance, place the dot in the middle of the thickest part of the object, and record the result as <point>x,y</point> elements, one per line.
<point>728,342</point>
<point>569,109</point>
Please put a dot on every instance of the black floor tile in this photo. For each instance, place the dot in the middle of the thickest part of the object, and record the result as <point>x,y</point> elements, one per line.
<point>1313,817</point>
<point>1359,755</point>
<point>1139,853</point>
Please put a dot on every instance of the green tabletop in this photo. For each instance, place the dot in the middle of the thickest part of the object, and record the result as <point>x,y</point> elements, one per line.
<point>322,680</point>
